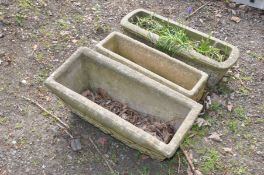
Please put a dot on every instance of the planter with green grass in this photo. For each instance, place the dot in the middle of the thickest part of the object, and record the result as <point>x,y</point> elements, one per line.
<point>87,69</point>
<point>154,64</point>
<point>195,48</point>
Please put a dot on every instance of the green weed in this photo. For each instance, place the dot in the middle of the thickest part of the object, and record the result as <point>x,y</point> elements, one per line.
<point>211,161</point>
<point>39,56</point>
<point>78,18</point>
<point>257,56</point>
<point>145,171</point>
<point>171,39</point>
<point>22,141</point>
<point>240,170</point>
<point>240,112</point>
<point>259,120</point>
<point>244,90</point>
<point>3,120</point>
<point>233,125</point>
<point>171,42</point>
<point>98,24</point>
<point>41,76</point>
<point>20,18</point>
<point>18,126</point>
<point>26,4</point>
<point>215,106</point>
<point>188,142</point>
<point>63,24</point>
<point>246,78</point>
<point>204,47</point>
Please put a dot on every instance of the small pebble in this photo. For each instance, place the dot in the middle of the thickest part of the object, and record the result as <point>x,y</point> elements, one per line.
<point>76,144</point>
<point>232,5</point>
<point>24,82</point>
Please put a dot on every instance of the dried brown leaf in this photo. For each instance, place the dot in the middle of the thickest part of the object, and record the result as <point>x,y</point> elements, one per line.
<point>235,19</point>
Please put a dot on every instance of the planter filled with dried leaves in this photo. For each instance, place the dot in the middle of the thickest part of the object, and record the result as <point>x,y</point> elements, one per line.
<point>195,48</point>
<point>133,108</point>
<point>154,64</point>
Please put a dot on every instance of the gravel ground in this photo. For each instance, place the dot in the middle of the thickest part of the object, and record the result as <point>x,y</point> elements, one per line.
<point>38,36</point>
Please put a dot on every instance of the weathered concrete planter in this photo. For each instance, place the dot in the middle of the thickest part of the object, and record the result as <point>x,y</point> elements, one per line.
<point>254,3</point>
<point>214,69</point>
<point>88,69</point>
<point>154,64</point>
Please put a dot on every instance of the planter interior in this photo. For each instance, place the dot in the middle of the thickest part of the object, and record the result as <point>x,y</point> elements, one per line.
<point>87,69</point>
<point>154,64</point>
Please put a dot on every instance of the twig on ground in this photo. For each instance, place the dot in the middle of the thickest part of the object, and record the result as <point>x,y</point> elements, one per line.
<point>243,84</point>
<point>66,129</point>
<point>45,110</point>
<point>195,11</point>
<point>106,161</point>
<point>188,160</point>
<point>179,166</point>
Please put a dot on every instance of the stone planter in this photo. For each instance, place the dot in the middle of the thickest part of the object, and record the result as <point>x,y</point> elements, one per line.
<point>154,64</point>
<point>88,69</point>
<point>253,3</point>
<point>214,69</point>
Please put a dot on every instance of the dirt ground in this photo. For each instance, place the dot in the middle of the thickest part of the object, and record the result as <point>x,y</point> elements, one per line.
<point>36,36</point>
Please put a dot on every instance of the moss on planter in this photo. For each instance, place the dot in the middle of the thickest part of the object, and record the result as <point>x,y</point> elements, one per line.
<point>172,39</point>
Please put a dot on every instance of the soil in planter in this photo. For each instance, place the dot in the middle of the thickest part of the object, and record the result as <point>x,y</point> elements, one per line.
<point>164,131</point>
<point>172,39</point>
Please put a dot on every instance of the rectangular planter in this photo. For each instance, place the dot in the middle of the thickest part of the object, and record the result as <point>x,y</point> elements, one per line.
<point>88,69</point>
<point>254,3</point>
<point>154,64</point>
<point>214,69</point>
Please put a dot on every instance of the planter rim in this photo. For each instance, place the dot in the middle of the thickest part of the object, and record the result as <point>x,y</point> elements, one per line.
<point>190,92</point>
<point>103,114</point>
<point>230,61</point>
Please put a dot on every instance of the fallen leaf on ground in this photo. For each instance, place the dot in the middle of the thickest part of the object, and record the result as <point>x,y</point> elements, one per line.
<point>229,106</point>
<point>228,150</point>
<point>35,47</point>
<point>86,93</point>
<point>202,122</point>
<point>102,141</point>
<point>215,137</point>
<point>144,157</point>
<point>235,19</point>
<point>197,172</point>
<point>74,41</point>
<point>218,15</point>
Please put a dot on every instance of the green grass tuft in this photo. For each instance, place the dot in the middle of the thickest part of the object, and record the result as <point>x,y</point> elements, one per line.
<point>172,39</point>
<point>233,125</point>
<point>211,161</point>
<point>205,48</point>
<point>26,4</point>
